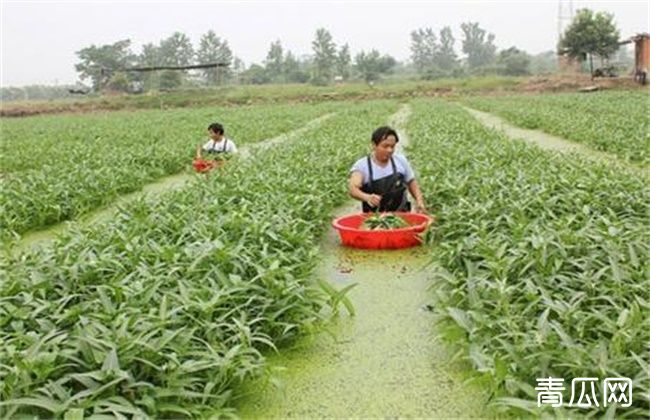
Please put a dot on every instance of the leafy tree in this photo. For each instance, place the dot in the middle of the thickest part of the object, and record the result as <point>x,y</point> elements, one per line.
<point>343,61</point>
<point>238,67</point>
<point>149,57</point>
<point>274,63</point>
<point>238,64</point>
<point>176,50</point>
<point>11,93</point>
<point>424,48</point>
<point>213,49</point>
<point>386,64</point>
<point>118,82</point>
<point>39,92</point>
<point>590,33</point>
<point>294,70</point>
<point>324,57</point>
<point>99,63</point>
<point>170,79</point>
<point>478,45</point>
<point>371,65</point>
<point>514,62</point>
<point>256,75</point>
<point>445,56</point>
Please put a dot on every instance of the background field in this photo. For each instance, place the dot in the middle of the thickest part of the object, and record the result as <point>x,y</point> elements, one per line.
<point>537,263</point>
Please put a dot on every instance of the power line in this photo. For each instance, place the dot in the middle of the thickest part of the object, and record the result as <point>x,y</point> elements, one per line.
<point>105,70</point>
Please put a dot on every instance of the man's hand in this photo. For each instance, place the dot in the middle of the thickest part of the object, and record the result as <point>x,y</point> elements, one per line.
<point>373,200</point>
<point>420,207</point>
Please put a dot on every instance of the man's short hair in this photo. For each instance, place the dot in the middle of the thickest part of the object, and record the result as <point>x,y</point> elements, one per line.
<point>216,128</point>
<point>381,133</point>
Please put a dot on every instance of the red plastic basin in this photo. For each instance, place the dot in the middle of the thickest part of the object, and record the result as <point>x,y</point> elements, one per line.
<point>353,236</point>
<point>203,165</point>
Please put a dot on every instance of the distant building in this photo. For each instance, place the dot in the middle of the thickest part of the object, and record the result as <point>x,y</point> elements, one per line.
<point>641,56</point>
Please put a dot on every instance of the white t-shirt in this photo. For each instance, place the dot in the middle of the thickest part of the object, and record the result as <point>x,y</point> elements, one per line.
<point>401,165</point>
<point>220,146</point>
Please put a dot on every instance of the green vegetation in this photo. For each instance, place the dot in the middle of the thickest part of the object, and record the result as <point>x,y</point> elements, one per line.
<point>539,263</point>
<point>58,168</point>
<point>384,221</point>
<point>542,259</point>
<point>258,94</point>
<point>163,310</point>
<point>616,122</point>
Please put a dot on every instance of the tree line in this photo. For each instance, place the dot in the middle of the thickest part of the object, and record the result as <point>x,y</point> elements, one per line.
<point>432,55</point>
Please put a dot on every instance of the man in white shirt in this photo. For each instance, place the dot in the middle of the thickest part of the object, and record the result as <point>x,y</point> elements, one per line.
<point>218,143</point>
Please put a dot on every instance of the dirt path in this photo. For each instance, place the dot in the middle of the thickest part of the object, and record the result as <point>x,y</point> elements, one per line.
<point>42,237</point>
<point>383,362</point>
<point>548,141</point>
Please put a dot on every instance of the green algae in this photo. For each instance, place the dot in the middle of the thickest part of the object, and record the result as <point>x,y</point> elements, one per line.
<point>386,361</point>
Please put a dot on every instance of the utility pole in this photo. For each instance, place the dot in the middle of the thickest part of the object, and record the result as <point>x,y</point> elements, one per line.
<point>564,17</point>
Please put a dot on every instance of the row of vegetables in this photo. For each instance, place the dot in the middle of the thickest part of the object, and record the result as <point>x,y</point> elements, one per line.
<point>540,268</point>
<point>540,261</point>
<point>56,168</point>
<point>165,309</point>
<point>616,122</point>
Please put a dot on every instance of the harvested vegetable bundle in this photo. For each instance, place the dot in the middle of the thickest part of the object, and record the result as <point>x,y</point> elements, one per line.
<point>384,221</point>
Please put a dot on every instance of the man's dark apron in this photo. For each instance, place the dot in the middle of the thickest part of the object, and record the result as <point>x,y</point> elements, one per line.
<point>392,189</point>
<point>212,150</point>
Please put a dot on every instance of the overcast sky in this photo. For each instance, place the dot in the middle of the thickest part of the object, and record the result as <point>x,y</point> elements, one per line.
<point>40,38</point>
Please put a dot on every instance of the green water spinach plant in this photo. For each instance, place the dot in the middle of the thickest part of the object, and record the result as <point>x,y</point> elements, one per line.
<point>57,168</point>
<point>165,309</point>
<point>540,260</point>
<point>616,122</point>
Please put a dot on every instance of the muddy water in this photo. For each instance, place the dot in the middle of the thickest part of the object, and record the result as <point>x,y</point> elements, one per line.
<point>42,237</point>
<point>385,361</point>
